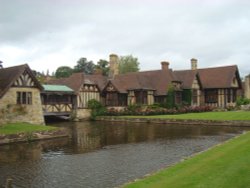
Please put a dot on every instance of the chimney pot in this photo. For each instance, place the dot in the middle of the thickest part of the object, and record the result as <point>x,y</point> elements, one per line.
<point>164,65</point>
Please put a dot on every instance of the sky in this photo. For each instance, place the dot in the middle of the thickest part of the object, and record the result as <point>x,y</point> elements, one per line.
<point>47,34</point>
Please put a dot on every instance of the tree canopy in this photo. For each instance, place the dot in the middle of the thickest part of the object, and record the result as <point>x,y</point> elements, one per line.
<point>63,71</point>
<point>128,63</point>
<point>83,65</point>
<point>103,66</point>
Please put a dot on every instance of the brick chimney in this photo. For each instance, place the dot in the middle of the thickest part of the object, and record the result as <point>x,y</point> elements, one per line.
<point>164,65</point>
<point>113,65</point>
<point>194,64</point>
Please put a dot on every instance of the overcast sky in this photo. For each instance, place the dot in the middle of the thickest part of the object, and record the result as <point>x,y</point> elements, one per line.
<point>47,34</point>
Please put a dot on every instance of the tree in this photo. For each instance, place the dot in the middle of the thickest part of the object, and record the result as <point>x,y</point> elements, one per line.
<point>63,71</point>
<point>83,65</point>
<point>103,66</point>
<point>128,64</point>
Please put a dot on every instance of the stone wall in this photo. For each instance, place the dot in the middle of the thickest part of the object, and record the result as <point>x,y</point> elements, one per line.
<point>247,87</point>
<point>83,114</point>
<point>10,112</point>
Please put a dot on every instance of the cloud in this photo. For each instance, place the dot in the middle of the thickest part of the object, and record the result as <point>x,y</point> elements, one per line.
<point>48,34</point>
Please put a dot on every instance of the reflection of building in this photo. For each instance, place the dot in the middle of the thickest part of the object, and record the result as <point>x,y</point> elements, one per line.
<point>20,96</point>
<point>216,86</point>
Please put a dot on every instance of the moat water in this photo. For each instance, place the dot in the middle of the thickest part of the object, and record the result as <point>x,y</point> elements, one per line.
<point>102,154</point>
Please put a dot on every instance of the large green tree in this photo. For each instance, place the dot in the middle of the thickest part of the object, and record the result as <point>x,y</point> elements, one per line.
<point>128,63</point>
<point>103,66</point>
<point>83,65</point>
<point>63,71</point>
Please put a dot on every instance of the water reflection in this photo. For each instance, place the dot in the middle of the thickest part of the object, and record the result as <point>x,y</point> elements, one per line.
<point>100,154</point>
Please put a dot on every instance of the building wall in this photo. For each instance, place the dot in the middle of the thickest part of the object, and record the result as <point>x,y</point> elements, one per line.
<point>11,112</point>
<point>87,93</point>
<point>247,87</point>
<point>196,86</point>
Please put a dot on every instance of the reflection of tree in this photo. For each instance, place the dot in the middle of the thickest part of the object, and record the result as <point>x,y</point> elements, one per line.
<point>28,151</point>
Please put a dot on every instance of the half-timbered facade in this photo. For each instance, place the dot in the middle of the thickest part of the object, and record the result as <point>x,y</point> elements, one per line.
<point>20,96</point>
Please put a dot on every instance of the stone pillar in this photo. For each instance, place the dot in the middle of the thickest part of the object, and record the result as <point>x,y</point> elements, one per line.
<point>131,98</point>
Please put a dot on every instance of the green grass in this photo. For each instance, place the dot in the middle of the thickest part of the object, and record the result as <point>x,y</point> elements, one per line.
<point>231,115</point>
<point>224,166</point>
<point>15,128</point>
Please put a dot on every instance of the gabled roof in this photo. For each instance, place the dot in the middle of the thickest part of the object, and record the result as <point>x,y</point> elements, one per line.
<point>75,81</point>
<point>219,77</point>
<point>157,80</point>
<point>187,77</point>
<point>96,79</point>
<point>9,75</point>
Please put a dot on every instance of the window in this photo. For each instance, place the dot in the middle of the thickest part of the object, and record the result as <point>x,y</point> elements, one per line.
<point>24,98</point>
<point>141,97</point>
<point>211,96</point>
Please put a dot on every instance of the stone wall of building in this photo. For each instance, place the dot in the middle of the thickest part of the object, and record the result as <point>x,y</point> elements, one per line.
<point>83,114</point>
<point>247,87</point>
<point>11,112</point>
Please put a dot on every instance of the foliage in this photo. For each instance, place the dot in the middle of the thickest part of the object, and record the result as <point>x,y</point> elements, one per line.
<point>96,107</point>
<point>144,111</point>
<point>187,96</point>
<point>225,165</point>
<point>83,65</point>
<point>103,66</point>
<point>15,128</point>
<point>63,72</point>
<point>170,98</point>
<point>242,101</point>
<point>128,64</point>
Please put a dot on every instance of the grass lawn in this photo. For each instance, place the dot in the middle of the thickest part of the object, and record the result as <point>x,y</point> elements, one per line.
<point>231,115</point>
<point>224,166</point>
<point>15,128</point>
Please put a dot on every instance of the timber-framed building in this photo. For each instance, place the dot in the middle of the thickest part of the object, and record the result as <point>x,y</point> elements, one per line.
<point>217,86</point>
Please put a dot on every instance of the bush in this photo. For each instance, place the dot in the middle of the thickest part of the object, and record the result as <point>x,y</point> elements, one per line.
<point>153,110</point>
<point>97,108</point>
<point>242,101</point>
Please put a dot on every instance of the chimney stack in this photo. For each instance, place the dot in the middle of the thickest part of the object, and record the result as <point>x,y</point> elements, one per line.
<point>113,65</point>
<point>194,64</point>
<point>164,65</point>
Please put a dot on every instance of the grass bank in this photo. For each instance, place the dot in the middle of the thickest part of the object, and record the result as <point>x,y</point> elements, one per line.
<point>15,128</point>
<point>223,116</point>
<point>225,165</point>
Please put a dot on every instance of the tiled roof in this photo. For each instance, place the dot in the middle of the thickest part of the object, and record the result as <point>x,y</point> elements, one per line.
<point>218,77</point>
<point>74,82</point>
<point>11,74</point>
<point>157,80</point>
<point>186,77</point>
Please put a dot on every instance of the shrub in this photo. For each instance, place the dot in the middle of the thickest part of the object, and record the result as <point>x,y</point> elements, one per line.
<point>96,107</point>
<point>242,101</point>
